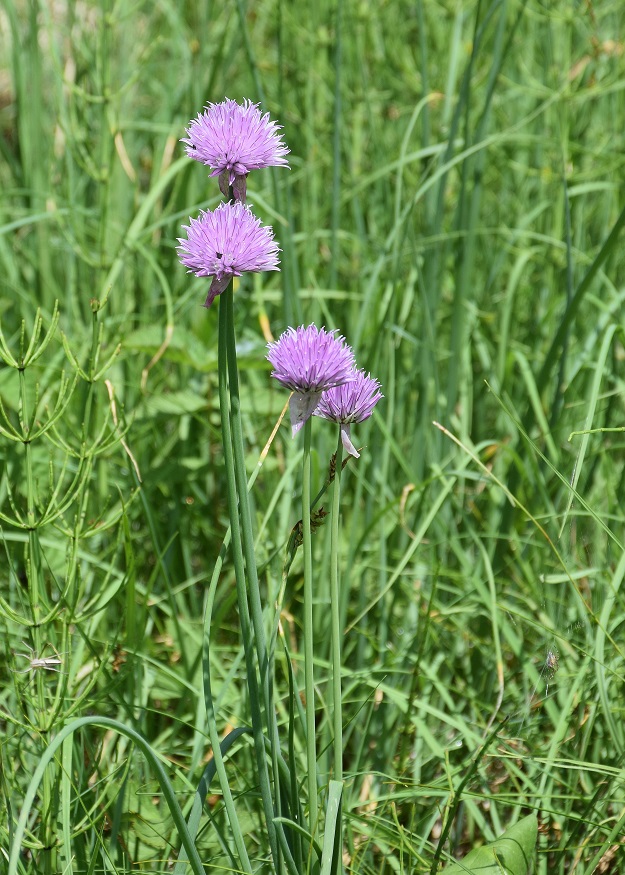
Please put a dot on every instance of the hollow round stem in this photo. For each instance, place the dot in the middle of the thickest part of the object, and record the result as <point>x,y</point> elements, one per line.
<point>230,461</point>
<point>335,608</point>
<point>309,675</point>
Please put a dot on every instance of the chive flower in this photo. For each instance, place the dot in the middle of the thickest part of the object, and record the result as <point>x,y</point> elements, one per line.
<point>309,361</point>
<point>348,403</point>
<point>232,139</point>
<point>225,243</point>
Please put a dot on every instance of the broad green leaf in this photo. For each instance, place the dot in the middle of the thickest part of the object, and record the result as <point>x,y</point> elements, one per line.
<point>184,346</point>
<point>332,827</point>
<point>510,854</point>
<point>175,403</point>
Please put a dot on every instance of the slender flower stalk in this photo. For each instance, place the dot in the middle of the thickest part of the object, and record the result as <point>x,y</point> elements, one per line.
<point>309,635</point>
<point>225,243</point>
<point>351,402</point>
<point>253,588</point>
<point>213,733</point>
<point>335,610</point>
<point>232,139</point>
<point>336,635</point>
<point>226,340</point>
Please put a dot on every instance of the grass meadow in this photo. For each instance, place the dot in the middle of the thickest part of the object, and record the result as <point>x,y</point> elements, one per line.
<point>455,207</point>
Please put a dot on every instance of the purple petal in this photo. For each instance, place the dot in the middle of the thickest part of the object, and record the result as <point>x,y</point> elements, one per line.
<point>235,138</point>
<point>311,359</point>
<point>351,402</point>
<point>227,242</point>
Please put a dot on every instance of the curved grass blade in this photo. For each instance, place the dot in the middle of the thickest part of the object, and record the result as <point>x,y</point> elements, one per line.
<point>193,823</point>
<point>168,791</point>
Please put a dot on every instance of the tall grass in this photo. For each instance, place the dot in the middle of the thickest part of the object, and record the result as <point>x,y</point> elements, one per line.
<point>455,207</point>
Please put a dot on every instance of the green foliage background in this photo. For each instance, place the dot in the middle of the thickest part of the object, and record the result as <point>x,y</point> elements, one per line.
<point>454,207</point>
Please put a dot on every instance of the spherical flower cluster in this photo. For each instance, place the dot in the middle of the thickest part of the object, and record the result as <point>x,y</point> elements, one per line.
<point>351,402</point>
<point>233,139</point>
<point>309,361</point>
<point>225,243</point>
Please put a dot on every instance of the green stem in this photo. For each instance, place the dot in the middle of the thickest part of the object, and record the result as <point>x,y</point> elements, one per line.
<point>247,532</point>
<point>335,610</point>
<point>213,733</point>
<point>335,607</point>
<point>309,676</point>
<point>36,595</point>
<point>34,554</point>
<point>244,510</point>
<point>225,309</point>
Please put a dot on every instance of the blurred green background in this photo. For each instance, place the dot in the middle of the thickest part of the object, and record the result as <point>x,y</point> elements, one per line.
<point>454,208</point>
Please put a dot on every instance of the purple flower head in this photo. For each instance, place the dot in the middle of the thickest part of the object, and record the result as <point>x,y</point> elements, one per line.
<point>350,402</point>
<point>233,139</point>
<point>308,361</point>
<point>225,243</point>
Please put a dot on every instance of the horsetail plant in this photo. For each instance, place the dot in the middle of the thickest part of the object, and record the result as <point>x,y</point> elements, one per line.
<point>55,585</point>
